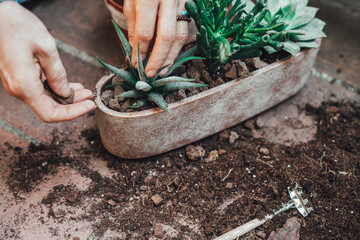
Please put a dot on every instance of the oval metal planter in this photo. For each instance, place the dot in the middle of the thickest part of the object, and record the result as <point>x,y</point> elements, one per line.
<point>151,132</point>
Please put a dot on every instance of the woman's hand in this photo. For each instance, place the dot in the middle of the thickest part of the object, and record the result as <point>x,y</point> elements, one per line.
<point>143,17</point>
<point>28,55</point>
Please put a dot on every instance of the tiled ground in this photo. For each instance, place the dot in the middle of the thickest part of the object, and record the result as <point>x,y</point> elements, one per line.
<point>85,25</point>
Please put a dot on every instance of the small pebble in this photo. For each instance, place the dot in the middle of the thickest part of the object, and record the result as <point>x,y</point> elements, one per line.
<point>233,137</point>
<point>264,151</point>
<point>158,231</point>
<point>157,199</point>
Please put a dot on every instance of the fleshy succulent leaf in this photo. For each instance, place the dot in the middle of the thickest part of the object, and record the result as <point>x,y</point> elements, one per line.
<point>132,94</point>
<point>127,76</point>
<point>139,104</point>
<point>291,48</point>
<point>178,64</point>
<point>180,85</point>
<point>156,76</point>
<point>140,66</point>
<point>125,43</point>
<point>186,54</point>
<point>158,99</point>
<point>162,82</point>
<point>143,86</point>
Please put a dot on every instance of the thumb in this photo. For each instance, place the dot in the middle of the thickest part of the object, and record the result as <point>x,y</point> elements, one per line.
<point>53,68</point>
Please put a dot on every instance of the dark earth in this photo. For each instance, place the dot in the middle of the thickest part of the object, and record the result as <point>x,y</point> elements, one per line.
<point>194,69</point>
<point>252,172</point>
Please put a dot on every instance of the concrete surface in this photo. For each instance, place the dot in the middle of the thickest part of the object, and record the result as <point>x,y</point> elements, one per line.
<point>83,31</point>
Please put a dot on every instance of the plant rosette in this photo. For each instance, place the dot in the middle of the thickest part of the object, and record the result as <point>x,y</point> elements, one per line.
<point>150,132</point>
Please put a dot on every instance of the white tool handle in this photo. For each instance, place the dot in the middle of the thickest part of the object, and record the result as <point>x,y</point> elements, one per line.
<point>245,228</point>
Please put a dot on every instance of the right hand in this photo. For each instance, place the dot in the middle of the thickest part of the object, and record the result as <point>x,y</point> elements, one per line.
<point>28,55</point>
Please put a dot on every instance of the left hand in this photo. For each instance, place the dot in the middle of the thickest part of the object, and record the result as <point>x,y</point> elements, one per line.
<point>142,16</point>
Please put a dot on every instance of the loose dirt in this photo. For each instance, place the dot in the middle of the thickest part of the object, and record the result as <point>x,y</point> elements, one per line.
<point>202,199</point>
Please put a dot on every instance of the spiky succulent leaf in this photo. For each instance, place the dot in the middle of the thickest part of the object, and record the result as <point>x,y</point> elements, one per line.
<point>158,99</point>
<point>180,85</point>
<point>143,86</point>
<point>126,75</point>
<point>139,86</point>
<point>133,94</point>
<point>162,82</point>
<point>139,104</point>
<point>156,76</point>
<point>179,63</point>
<point>125,43</point>
<point>186,54</point>
<point>140,65</point>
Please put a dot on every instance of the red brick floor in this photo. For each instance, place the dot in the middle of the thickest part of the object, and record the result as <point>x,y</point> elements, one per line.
<point>85,25</point>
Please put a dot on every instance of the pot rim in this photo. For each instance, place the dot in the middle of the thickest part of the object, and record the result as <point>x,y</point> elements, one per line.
<point>100,105</point>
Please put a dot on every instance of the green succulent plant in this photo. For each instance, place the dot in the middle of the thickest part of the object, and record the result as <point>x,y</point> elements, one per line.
<point>300,29</point>
<point>153,89</point>
<point>233,34</point>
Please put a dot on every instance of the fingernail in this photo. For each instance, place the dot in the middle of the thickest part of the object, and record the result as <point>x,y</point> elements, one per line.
<point>150,73</point>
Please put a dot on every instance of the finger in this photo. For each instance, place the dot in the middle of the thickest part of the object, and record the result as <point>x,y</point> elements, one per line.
<point>181,38</point>
<point>82,95</point>
<point>130,17</point>
<point>146,13</point>
<point>50,111</point>
<point>165,36</point>
<point>54,70</point>
<point>77,86</point>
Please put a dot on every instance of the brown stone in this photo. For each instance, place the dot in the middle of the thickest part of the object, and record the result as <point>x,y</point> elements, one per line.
<point>76,238</point>
<point>242,69</point>
<point>250,125</point>
<point>224,135</point>
<point>219,81</point>
<point>198,63</point>
<point>206,77</point>
<point>193,73</point>
<point>194,152</point>
<point>157,199</point>
<point>112,202</point>
<point>222,151</point>
<point>193,92</point>
<point>233,136</point>
<point>227,66</point>
<point>180,95</point>
<point>117,91</point>
<point>114,104</point>
<point>231,73</point>
<point>264,151</point>
<point>170,98</point>
<point>255,63</point>
<point>106,96</point>
<point>116,80</point>
<point>125,105</point>
<point>213,155</point>
<point>229,185</point>
<point>158,231</point>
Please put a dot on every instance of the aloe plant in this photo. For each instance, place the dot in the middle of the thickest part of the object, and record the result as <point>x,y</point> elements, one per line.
<point>233,34</point>
<point>300,29</point>
<point>153,89</point>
